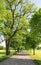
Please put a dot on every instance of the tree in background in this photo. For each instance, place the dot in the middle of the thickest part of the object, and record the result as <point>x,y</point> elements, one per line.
<point>31,43</point>
<point>18,40</point>
<point>35,28</point>
<point>35,24</point>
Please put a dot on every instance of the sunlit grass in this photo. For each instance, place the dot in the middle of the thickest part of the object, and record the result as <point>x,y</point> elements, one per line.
<point>36,57</point>
<point>2,53</point>
<point>37,54</point>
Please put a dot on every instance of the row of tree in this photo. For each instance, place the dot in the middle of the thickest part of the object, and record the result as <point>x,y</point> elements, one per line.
<point>14,24</point>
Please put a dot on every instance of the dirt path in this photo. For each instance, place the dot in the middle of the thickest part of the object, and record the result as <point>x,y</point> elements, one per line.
<point>20,59</point>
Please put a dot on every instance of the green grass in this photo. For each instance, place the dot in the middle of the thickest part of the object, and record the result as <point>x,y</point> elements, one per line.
<point>3,54</point>
<point>36,57</point>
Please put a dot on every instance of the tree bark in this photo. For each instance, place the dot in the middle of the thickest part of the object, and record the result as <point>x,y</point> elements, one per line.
<point>33,51</point>
<point>7,47</point>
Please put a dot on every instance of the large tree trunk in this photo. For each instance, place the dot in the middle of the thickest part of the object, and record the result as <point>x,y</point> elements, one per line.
<point>33,51</point>
<point>7,47</point>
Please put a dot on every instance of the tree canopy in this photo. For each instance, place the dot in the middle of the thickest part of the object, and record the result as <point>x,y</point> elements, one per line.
<point>13,18</point>
<point>35,24</point>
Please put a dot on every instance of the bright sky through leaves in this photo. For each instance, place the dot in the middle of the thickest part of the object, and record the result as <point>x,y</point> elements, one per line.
<point>37,3</point>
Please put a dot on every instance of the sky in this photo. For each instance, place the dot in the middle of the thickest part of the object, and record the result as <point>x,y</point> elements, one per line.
<point>37,3</point>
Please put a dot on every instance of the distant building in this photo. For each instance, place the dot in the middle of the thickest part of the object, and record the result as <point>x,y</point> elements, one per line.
<point>2,43</point>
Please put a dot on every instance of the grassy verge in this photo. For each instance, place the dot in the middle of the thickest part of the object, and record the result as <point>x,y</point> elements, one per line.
<point>3,55</point>
<point>36,57</point>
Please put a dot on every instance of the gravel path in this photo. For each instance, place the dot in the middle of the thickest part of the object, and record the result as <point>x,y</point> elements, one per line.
<point>19,59</point>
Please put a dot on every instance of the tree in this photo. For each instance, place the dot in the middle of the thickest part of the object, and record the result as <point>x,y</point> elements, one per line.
<point>15,13</point>
<point>35,24</point>
<point>31,43</point>
<point>16,43</point>
<point>35,28</point>
<point>18,40</point>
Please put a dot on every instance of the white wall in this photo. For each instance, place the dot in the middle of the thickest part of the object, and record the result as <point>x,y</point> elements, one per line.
<point>3,44</point>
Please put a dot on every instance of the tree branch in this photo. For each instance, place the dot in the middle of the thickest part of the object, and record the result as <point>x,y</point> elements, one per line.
<point>24,14</point>
<point>15,32</point>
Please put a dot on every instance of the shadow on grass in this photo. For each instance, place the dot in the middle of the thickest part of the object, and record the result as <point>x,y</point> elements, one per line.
<point>2,52</point>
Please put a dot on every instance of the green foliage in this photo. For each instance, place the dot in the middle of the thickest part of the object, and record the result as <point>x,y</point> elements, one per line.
<point>35,24</point>
<point>7,15</point>
<point>31,42</point>
<point>13,19</point>
<point>1,47</point>
<point>18,42</point>
<point>38,62</point>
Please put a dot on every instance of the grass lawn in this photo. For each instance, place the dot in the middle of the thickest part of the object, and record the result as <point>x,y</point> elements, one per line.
<point>36,57</point>
<point>3,54</point>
